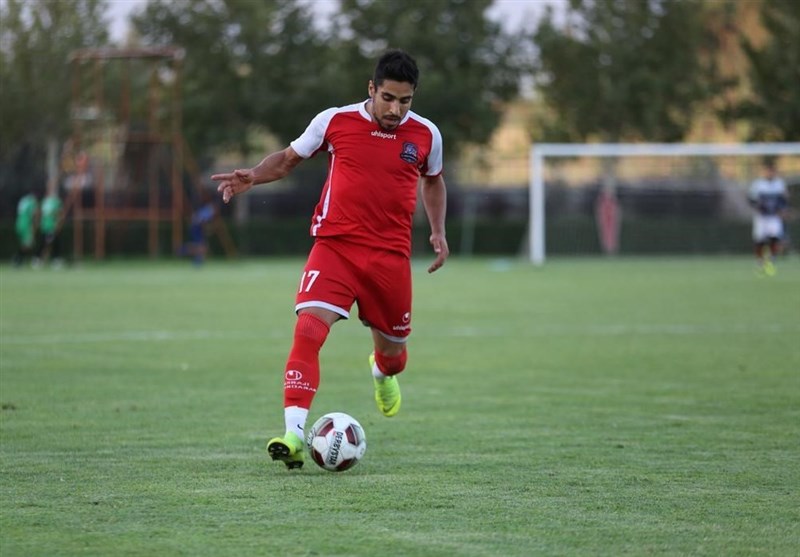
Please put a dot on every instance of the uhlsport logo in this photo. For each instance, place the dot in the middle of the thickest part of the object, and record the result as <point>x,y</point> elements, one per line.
<point>406,323</point>
<point>409,152</point>
<point>383,135</point>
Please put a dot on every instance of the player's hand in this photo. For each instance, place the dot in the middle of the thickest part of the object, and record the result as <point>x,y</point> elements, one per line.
<point>232,183</point>
<point>442,251</point>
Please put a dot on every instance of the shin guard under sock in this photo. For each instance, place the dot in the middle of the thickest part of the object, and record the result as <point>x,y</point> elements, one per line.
<point>301,377</point>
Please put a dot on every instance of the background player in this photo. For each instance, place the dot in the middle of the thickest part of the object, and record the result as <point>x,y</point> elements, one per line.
<point>379,153</point>
<point>202,217</point>
<point>51,222</point>
<point>26,227</point>
<point>769,197</point>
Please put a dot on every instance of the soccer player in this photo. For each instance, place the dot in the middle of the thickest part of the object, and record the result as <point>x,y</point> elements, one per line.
<point>379,153</point>
<point>26,226</point>
<point>51,216</point>
<point>202,216</point>
<point>769,197</point>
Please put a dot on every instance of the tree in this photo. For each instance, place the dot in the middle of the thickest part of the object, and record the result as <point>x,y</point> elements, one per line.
<point>469,67</point>
<point>773,109</point>
<point>268,64</point>
<point>36,36</point>
<point>624,70</point>
<point>248,65</point>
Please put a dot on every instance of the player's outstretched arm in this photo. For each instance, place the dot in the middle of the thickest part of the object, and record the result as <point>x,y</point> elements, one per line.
<point>434,199</point>
<point>273,167</point>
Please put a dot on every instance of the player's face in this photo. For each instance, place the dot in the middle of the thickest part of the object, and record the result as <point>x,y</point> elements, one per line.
<point>391,100</point>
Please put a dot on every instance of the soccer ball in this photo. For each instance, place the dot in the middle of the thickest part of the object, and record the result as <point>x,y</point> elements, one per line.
<point>336,442</point>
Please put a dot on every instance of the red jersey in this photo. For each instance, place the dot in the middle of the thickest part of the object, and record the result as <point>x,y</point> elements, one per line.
<point>370,193</point>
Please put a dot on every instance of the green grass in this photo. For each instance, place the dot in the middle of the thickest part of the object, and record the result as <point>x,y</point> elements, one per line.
<point>592,407</point>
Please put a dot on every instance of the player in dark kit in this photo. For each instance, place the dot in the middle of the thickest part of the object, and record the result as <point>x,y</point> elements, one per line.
<point>379,154</point>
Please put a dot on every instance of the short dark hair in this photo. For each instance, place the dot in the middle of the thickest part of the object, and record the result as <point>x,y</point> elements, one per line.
<point>396,65</point>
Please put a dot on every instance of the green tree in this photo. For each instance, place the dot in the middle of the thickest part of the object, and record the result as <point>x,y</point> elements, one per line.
<point>248,65</point>
<point>266,64</point>
<point>469,67</point>
<point>36,37</point>
<point>624,70</point>
<point>773,109</point>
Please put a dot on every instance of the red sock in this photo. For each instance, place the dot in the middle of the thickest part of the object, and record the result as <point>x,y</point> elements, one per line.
<point>391,365</point>
<point>301,378</point>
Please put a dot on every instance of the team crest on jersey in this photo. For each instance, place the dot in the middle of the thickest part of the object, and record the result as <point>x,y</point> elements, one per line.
<point>409,152</point>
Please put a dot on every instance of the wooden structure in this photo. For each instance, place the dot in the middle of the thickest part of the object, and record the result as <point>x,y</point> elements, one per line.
<point>129,153</point>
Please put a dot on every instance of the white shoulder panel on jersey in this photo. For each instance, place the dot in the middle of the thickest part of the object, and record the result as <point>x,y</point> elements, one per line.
<point>763,186</point>
<point>311,139</point>
<point>435,156</point>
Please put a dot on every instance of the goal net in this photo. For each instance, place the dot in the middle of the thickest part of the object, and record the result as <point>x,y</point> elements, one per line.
<point>648,198</point>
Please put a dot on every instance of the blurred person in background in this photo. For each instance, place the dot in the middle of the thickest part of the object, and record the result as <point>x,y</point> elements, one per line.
<point>770,199</point>
<point>379,153</point>
<point>202,216</point>
<point>50,225</point>
<point>26,227</point>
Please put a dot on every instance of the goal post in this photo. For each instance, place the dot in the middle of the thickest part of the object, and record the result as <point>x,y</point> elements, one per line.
<point>541,153</point>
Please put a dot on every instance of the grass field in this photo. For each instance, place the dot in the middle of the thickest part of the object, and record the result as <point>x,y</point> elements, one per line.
<point>591,407</point>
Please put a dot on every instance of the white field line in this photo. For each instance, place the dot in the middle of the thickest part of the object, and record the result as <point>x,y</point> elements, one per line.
<point>609,330</point>
<point>128,336</point>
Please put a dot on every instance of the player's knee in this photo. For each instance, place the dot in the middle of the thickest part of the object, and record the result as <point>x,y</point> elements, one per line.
<point>391,365</point>
<point>311,329</point>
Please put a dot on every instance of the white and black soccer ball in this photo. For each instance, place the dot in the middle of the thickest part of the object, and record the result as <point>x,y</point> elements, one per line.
<point>336,442</point>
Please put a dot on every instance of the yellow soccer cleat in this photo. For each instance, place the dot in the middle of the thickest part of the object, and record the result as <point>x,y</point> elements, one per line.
<point>288,449</point>
<point>387,392</point>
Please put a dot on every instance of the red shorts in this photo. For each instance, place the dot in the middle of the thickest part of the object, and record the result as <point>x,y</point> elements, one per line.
<point>338,273</point>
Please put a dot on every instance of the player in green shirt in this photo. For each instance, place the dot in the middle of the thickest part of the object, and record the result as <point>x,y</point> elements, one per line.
<point>49,225</point>
<point>25,227</point>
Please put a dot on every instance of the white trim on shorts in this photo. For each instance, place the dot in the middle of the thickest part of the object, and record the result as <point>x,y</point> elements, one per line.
<point>399,340</point>
<point>324,305</point>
